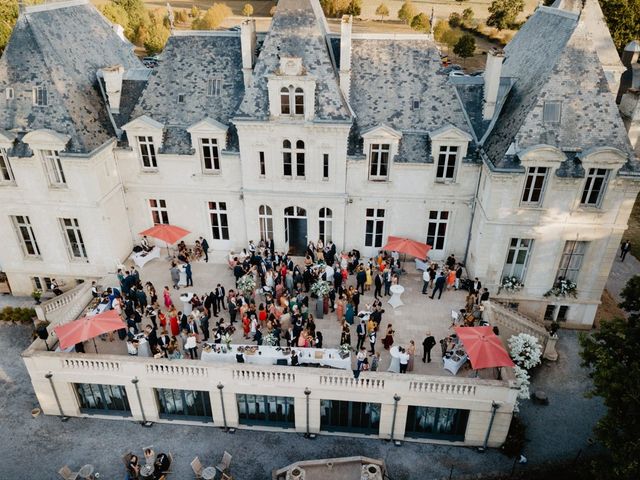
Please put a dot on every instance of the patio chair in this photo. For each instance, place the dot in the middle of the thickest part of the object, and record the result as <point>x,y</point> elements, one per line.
<point>66,473</point>
<point>224,465</point>
<point>196,466</point>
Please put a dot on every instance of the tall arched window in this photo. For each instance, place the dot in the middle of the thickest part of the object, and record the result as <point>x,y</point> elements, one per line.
<point>299,158</point>
<point>265,217</point>
<point>325,225</point>
<point>285,101</point>
<point>299,101</point>
<point>286,158</point>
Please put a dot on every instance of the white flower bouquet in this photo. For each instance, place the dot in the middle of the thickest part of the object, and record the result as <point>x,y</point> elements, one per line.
<point>320,289</point>
<point>226,339</point>
<point>247,285</point>
<point>344,350</point>
<point>511,284</point>
<point>563,288</point>
<point>270,340</point>
<point>525,350</point>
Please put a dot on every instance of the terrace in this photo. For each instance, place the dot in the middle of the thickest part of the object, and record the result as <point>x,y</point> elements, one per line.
<point>226,392</point>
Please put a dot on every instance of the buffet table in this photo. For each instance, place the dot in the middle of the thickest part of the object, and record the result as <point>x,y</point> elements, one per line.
<point>142,258</point>
<point>454,360</point>
<point>264,355</point>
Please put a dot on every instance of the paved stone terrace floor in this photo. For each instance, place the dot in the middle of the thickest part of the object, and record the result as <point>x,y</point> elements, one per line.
<point>410,321</point>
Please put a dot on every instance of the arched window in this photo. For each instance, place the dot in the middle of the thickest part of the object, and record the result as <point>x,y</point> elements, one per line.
<point>299,158</point>
<point>286,158</point>
<point>325,225</point>
<point>285,101</point>
<point>299,101</point>
<point>265,217</point>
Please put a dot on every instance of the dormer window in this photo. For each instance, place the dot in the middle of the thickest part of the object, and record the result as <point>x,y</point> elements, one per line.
<point>291,100</point>
<point>214,87</point>
<point>379,161</point>
<point>53,167</point>
<point>40,96</point>
<point>6,174</point>
<point>447,159</point>
<point>9,93</point>
<point>285,101</point>
<point>181,98</point>
<point>551,112</point>
<point>147,152</point>
<point>299,101</point>
<point>210,155</point>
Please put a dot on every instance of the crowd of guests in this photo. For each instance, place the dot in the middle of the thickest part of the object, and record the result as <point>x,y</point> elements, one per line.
<point>277,311</point>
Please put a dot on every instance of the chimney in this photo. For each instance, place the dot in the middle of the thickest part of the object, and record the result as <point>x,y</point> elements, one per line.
<point>491,75</point>
<point>248,46</point>
<point>630,111</point>
<point>345,54</point>
<point>113,85</point>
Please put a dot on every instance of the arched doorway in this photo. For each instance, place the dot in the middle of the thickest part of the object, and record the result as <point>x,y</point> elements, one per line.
<point>295,229</point>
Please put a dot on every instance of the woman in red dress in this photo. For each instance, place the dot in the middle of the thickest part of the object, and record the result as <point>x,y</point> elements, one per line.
<point>246,325</point>
<point>173,321</point>
<point>167,297</point>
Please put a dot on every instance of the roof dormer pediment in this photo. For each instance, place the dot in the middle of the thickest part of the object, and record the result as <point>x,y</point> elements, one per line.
<point>207,125</point>
<point>382,131</point>
<point>46,139</point>
<point>143,123</point>
<point>450,132</point>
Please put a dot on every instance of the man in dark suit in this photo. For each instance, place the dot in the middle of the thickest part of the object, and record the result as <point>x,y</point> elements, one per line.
<point>238,272</point>
<point>220,293</point>
<point>361,330</point>
<point>485,295</point>
<point>191,326</point>
<point>204,326</point>
<point>211,304</point>
<point>378,284</point>
<point>477,285</point>
<point>427,344</point>
<point>182,318</point>
<point>439,286</point>
<point>205,248</point>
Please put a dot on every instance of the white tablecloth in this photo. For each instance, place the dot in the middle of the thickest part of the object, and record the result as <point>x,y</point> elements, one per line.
<point>454,363</point>
<point>185,298</point>
<point>420,265</point>
<point>394,366</point>
<point>101,308</point>
<point>396,291</point>
<point>183,276</point>
<point>270,356</point>
<point>141,258</point>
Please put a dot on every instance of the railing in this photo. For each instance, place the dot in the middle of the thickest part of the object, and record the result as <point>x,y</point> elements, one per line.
<point>65,307</point>
<point>263,376</point>
<point>443,388</point>
<point>176,369</point>
<point>509,319</point>
<point>95,365</point>
<point>351,382</point>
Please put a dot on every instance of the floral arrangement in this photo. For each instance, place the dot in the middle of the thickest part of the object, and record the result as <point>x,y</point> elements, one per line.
<point>511,284</point>
<point>247,285</point>
<point>523,382</point>
<point>270,340</point>
<point>36,294</point>
<point>226,339</point>
<point>344,350</point>
<point>525,350</point>
<point>563,288</point>
<point>320,289</point>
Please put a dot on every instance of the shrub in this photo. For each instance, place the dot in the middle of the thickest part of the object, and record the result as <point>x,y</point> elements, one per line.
<point>17,315</point>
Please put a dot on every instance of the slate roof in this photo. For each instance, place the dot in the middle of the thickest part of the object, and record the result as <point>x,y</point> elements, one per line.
<point>552,58</point>
<point>298,29</point>
<point>186,65</point>
<point>387,76</point>
<point>61,47</point>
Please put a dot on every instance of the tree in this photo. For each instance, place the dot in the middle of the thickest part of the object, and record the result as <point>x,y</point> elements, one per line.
<point>407,12</point>
<point>623,20</point>
<point>181,15</point>
<point>354,8</point>
<point>421,23</point>
<point>195,12</point>
<point>455,20</point>
<point>116,14</point>
<point>503,13</point>
<point>213,17</point>
<point>465,47</point>
<point>467,16</point>
<point>612,357</point>
<point>337,8</point>
<point>383,11</point>
<point>440,30</point>
<point>247,10</point>
<point>157,33</point>
<point>8,17</point>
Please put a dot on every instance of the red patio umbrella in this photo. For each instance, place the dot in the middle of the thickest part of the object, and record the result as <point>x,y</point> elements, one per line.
<point>484,347</point>
<point>405,245</point>
<point>87,328</point>
<point>169,234</point>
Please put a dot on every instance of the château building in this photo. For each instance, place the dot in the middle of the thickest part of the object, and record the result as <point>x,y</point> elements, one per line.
<point>301,134</point>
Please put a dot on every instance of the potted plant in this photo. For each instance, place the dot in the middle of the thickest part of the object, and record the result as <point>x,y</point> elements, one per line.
<point>247,285</point>
<point>321,290</point>
<point>511,285</point>
<point>344,351</point>
<point>36,295</point>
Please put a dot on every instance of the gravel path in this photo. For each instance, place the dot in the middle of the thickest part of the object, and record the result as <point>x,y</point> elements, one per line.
<point>42,445</point>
